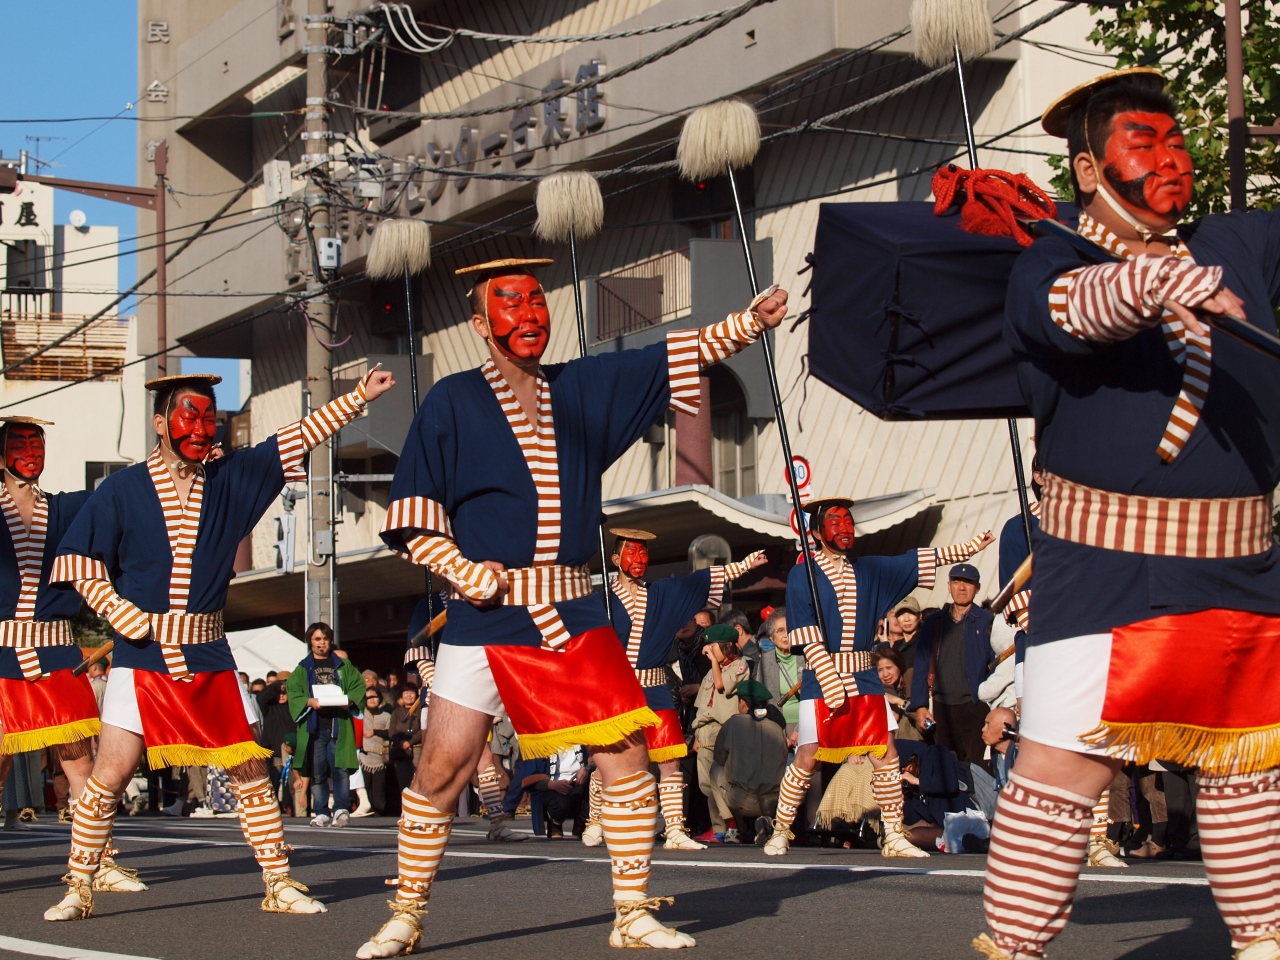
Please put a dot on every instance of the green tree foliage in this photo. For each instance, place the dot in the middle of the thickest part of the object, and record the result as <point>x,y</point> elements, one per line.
<point>1139,31</point>
<point>90,630</point>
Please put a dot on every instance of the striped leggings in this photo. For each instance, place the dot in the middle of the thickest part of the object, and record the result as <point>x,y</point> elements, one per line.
<point>1040,834</point>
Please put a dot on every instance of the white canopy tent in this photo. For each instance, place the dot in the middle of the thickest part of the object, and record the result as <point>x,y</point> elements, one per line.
<point>264,649</point>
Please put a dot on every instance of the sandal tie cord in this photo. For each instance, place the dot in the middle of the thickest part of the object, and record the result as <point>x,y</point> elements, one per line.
<point>991,201</point>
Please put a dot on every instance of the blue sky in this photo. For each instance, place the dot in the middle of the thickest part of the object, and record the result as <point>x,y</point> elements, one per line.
<point>79,58</point>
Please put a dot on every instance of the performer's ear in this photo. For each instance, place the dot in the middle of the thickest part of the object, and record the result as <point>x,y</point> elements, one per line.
<point>1086,174</point>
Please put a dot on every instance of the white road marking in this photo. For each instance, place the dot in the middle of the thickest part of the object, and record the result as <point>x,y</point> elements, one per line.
<point>36,949</point>
<point>775,866</point>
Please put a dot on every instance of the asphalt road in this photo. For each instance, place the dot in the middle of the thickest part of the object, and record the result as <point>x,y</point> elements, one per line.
<point>550,899</point>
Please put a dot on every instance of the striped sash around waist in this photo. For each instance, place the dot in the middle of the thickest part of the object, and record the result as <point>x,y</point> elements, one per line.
<point>652,678</point>
<point>849,662</point>
<point>171,630</point>
<point>1208,529</point>
<point>534,586</point>
<point>24,636</point>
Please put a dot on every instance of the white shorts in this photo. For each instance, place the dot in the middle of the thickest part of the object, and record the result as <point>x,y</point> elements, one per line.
<point>463,677</point>
<point>120,702</point>
<point>807,729</point>
<point>1063,689</point>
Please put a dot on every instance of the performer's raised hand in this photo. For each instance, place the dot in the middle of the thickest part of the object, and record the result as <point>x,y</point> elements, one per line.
<point>772,308</point>
<point>757,560</point>
<point>984,541</point>
<point>377,382</point>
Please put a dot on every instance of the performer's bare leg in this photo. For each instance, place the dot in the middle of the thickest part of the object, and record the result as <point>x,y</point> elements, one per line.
<point>630,820</point>
<point>671,799</point>
<point>454,743</point>
<point>77,764</point>
<point>1038,843</point>
<point>262,827</point>
<point>92,816</point>
<point>490,789</point>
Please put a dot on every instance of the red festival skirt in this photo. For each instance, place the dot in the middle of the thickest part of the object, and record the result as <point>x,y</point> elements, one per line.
<point>861,725</point>
<point>666,740</point>
<point>58,708</point>
<point>194,723</point>
<point>585,693</point>
<point>1201,689</point>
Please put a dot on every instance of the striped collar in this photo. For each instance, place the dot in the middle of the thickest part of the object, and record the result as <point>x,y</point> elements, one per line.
<point>1091,229</point>
<point>844,581</point>
<point>181,524</point>
<point>637,606</point>
<point>28,548</point>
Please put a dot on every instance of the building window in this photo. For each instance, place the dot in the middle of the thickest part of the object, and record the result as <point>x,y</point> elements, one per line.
<point>733,437</point>
<point>95,471</point>
<point>25,267</point>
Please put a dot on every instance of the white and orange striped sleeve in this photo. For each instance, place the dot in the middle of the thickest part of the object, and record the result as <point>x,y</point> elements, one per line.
<point>419,659</point>
<point>299,438</point>
<point>722,576</point>
<point>1110,302</point>
<point>689,352</point>
<point>929,559</point>
<point>93,582</point>
<point>428,538</point>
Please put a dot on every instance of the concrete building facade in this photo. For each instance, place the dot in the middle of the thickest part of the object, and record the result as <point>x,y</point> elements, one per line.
<point>227,91</point>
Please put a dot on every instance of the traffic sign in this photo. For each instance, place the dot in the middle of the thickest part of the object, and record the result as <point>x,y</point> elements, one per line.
<point>802,470</point>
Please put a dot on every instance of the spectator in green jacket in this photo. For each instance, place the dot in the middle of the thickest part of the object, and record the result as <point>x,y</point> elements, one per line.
<point>326,732</point>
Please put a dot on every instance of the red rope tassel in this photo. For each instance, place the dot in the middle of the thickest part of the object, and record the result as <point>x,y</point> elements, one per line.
<point>991,201</point>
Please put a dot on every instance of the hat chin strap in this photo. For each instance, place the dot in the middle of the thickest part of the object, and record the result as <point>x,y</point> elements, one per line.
<point>1145,233</point>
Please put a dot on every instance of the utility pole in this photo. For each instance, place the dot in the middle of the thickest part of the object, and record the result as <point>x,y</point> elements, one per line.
<point>1237,126</point>
<point>162,311</point>
<point>321,583</point>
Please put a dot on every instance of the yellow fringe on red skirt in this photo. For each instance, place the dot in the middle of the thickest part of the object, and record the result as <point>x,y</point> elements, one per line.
<point>1215,751</point>
<point>38,739</point>
<point>663,754</point>
<point>602,733</point>
<point>841,754</point>
<point>188,755</point>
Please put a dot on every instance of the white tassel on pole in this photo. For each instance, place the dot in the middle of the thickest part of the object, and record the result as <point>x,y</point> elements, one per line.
<point>718,137</point>
<point>568,202</point>
<point>399,245</point>
<point>940,26</point>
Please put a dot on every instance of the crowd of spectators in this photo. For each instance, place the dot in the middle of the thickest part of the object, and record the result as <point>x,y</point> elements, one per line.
<point>345,742</point>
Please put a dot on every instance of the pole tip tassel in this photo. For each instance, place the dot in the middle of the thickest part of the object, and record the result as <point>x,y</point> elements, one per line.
<point>399,245</point>
<point>568,202</point>
<point>718,137</point>
<point>940,26</point>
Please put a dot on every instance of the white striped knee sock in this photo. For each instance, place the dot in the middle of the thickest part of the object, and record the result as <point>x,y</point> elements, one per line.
<point>671,799</point>
<point>1239,820</point>
<point>92,815</point>
<point>261,824</point>
<point>795,784</point>
<point>1038,843</point>
<point>595,795</point>
<point>1101,815</point>
<point>886,787</point>
<point>424,833</point>
<point>630,817</point>
<point>491,795</point>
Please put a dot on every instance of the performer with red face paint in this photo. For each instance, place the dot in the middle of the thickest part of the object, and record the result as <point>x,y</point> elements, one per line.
<point>842,706</point>
<point>153,552</point>
<point>646,618</point>
<point>1160,443</point>
<point>498,491</point>
<point>42,703</point>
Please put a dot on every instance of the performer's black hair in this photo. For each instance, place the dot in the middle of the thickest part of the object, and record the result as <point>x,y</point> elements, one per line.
<point>164,396</point>
<point>1145,93</point>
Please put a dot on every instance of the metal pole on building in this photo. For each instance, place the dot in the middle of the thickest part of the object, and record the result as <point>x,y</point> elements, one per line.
<point>162,312</point>
<point>1237,126</point>
<point>319,600</point>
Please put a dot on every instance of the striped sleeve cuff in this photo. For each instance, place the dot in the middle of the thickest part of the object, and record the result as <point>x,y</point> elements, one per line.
<point>819,661</point>
<point>73,566</point>
<point>418,513</point>
<point>124,617</point>
<point>298,438</point>
<point>1019,610</point>
<point>442,556</point>
<point>684,371</point>
<point>926,567</point>
<point>958,552</point>
<point>715,596</point>
<point>722,340</point>
<point>807,637</point>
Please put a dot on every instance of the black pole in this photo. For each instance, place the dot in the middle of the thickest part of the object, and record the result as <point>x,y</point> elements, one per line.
<point>811,568</point>
<point>1024,504</point>
<point>582,351</point>
<point>413,388</point>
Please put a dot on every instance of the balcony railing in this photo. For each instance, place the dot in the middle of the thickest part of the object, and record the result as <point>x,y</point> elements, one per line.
<point>97,351</point>
<point>643,295</point>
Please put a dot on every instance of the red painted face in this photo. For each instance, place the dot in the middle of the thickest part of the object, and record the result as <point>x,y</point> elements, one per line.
<point>518,317</point>
<point>1147,164</point>
<point>633,559</point>
<point>192,425</point>
<point>24,452</point>
<point>837,529</point>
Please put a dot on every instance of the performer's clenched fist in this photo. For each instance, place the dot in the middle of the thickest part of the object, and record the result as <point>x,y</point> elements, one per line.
<point>772,308</point>
<point>378,382</point>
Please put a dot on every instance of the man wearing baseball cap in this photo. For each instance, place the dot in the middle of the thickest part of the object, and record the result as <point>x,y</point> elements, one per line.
<point>953,656</point>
